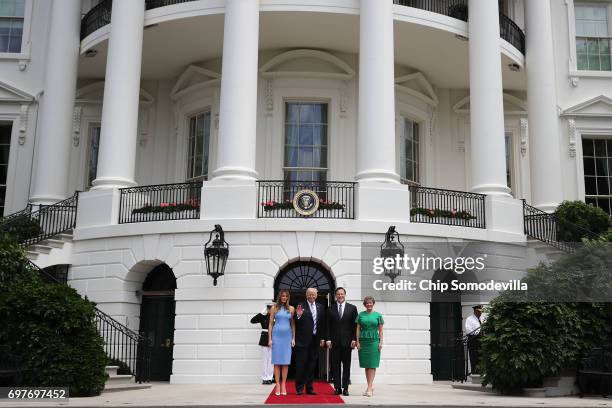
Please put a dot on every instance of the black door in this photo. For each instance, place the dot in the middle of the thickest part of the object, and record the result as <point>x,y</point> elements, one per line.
<point>445,328</point>
<point>157,323</point>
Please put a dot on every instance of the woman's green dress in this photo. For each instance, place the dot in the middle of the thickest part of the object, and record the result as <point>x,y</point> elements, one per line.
<point>369,354</point>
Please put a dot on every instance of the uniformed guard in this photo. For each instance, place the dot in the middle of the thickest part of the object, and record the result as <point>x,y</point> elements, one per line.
<point>473,333</point>
<point>267,371</point>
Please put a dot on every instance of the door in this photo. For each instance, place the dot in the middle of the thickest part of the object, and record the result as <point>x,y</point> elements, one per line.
<point>445,329</point>
<point>157,323</point>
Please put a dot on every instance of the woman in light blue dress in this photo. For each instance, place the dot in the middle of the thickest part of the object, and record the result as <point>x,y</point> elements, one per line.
<point>281,338</point>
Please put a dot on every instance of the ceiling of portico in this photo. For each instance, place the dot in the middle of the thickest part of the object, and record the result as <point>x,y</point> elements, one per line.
<point>172,46</point>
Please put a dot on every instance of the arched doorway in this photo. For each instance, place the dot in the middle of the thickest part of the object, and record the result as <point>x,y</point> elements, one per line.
<point>296,277</point>
<point>157,319</point>
<point>445,326</point>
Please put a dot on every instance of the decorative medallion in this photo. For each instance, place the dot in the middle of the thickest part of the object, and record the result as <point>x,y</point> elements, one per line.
<point>306,202</point>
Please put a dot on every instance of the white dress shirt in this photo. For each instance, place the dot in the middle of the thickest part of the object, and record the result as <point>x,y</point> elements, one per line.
<point>472,325</point>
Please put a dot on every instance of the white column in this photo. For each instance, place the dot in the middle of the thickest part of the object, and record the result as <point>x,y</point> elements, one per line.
<point>488,156</point>
<point>50,182</point>
<point>545,149</point>
<point>238,105</point>
<point>376,123</point>
<point>117,155</point>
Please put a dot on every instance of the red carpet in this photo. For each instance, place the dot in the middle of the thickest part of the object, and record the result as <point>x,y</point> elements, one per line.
<point>325,395</point>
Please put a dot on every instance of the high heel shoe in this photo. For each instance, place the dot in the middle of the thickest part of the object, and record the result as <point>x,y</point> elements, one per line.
<point>277,391</point>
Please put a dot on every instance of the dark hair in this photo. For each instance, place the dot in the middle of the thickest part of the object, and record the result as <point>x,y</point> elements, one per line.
<point>278,305</point>
<point>368,298</point>
<point>339,288</point>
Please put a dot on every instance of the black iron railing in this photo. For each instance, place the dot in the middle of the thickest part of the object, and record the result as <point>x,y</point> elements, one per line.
<point>447,207</point>
<point>511,32</point>
<point>31,227</point>
<point>508,29</point>
<point>548,228</point>
<point>123,344</point>
<point>97,17</point>
<point>120,342</point>
<point>275,199</point>
<point>162,202</point>
<point>152,4</point>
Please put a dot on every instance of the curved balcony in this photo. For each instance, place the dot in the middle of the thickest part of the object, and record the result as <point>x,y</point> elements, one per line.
<point>100,15</point>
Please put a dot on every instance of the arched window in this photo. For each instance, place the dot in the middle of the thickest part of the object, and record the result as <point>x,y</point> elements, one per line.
<point>301,275</point>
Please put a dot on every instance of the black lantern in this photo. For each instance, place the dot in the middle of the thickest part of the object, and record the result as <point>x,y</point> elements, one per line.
<point>391,248</point>
<point>216,253</point>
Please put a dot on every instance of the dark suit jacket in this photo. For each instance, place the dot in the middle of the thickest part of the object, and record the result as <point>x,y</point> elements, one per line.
<point>304,326</point>
<point>342,331</point>
<point>263,319</point>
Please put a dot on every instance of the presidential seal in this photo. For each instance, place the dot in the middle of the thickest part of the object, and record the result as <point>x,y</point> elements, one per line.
<point>306,202</point>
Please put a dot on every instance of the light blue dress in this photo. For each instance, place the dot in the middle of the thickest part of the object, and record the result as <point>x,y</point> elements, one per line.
<point>281,338</point>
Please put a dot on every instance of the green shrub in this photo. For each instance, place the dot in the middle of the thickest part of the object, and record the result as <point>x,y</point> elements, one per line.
<point>577,217</point>
<point>52,329</point>
<point>526,340</point>
<point>14,264</point>
<point>23,227</point>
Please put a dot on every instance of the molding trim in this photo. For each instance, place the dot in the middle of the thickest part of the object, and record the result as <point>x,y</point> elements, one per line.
<point>145,99</point>
<point>268,70</point>
<point>181,87</point>
<point>582,109</point>
<point>269,96</point>
<point>15,95</point>
<point>462,106</point>
<point>76,125</point>
<point>428,97</point>
<point>23,123</point>
<point>571,124</point>
<point>524,135</point>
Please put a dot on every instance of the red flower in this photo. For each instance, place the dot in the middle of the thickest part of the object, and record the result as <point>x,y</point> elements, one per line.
<point>164,205</point>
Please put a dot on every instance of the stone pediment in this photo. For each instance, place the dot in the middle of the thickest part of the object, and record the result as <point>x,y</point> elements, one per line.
<point>193,78</point>
<point>307,63</point>
<point>14,95</point>
<point>94,94</point>
<point>512,105</point>
<point>600,106</point>
<point>417,85</point>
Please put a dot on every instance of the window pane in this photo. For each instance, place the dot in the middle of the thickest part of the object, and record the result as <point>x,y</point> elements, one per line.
<point>12,8</point>
<point>3,172</point>
<point>293,113</point>
<point>602,186</point>
<point>600,148</point>
<point>291,135</point>
<point>94,147</point>
<point>605,63</point>
<point>589,166</point>
<point>319,135</point>
<point>305,157</point>
<point>306,135</point>
<point>582,62</point>
<point>199,141</point>
<point>604,204</point>
<point>291,156</point>
<point>587,147</point>
<point>590,188</point>
<point>601,166</point>
<point>4,153</point>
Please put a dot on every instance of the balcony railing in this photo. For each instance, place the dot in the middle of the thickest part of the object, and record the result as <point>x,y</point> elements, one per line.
<point>100,15</point>
<point>275,199</point>
<point>96,18</point>
<point>508,29</point>
<point>163,202</point>
<point>31,227</point>
<point>447,207</point>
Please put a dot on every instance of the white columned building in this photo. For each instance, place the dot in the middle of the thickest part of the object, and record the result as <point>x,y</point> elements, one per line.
<point>488,164</point>
<point>50,181</point>
<point>238,105</point>
<point>379,193</point>
<point>227,195</point>
<point>117,156</point>
<point>546,175</point>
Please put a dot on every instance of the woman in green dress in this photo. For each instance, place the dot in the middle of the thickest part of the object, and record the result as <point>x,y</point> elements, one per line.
<point>369,341</point>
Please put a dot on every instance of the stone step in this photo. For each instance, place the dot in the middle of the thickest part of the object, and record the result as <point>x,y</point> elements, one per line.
<point>472,387</point>
<point>53,243</point>
<point>120,379</point>
<point>32,255</point>
<point>41,249</point>
<point>125,387</point>
<point>111,370</point>
<point>66,236</point>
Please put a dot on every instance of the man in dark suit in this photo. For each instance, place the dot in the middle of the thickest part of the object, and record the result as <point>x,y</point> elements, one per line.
<point>310,323</point>
<point>341,329</point>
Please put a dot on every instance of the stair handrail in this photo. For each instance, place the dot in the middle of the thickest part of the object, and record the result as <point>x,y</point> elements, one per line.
<point>136,355</point>
<point>45,220</point>
<point>551,231</point>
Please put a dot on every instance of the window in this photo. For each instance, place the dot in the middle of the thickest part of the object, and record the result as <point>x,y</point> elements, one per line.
<point>409,152</point>
<point>592,37</point>
<point>11,25</point>
<point>305,141</point>
<point>92,152</point>
<point>597,162</point>
<point>199,139</point>
<point>5,148</point>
